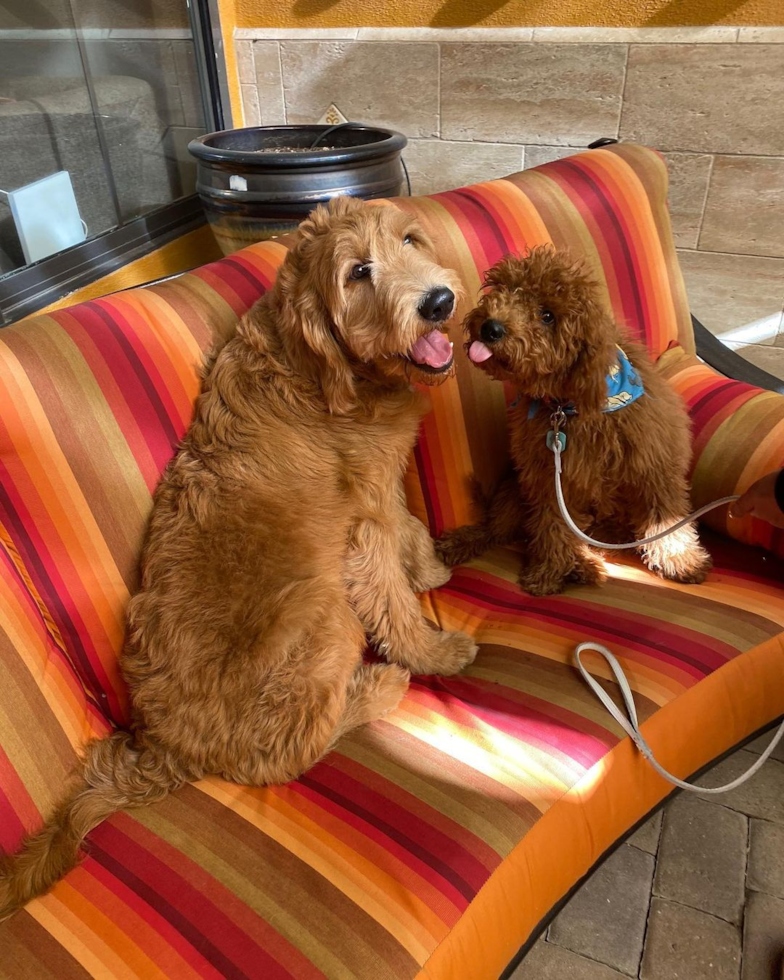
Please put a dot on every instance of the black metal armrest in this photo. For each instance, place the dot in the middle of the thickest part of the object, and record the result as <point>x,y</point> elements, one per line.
<point>711,350</point>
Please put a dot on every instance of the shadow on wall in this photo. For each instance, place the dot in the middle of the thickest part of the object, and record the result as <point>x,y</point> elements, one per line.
<point>453,12</point>
<point>705,12</point>
<point>309,8</point>
<point>470,13</point>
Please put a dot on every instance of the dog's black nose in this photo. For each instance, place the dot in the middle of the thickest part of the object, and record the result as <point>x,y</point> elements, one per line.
<point>438,304</point>
<point>492,330</point>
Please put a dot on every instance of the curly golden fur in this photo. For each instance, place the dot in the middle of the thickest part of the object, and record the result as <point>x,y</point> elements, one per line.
<point>279,538</point>
<point>624,473</point>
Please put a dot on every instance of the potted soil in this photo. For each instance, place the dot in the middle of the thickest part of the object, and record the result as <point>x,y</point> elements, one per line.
<point>260,182</point>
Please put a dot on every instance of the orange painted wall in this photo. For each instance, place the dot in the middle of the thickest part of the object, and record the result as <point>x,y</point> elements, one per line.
<point>503,13</point>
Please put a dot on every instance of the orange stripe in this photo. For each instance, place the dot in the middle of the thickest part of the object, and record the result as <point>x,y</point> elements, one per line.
<point>685,735</point>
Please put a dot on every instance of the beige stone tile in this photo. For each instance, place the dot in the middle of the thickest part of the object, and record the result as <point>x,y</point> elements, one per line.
<point>766,858</point>
<point>769,358</point>
<point>737,297</point>
<point>763,795</point>
<point>605,918</point>
<point>684,944</point>
<point>554,94</point>
<point>759,745</point>
<point>639,35</point>
<point>506,35</point>
<point>250,105</point>
<point>744,211</point>
<point>245,67</point>
<point>435,166</point>
<point>266,57</point>
<point>689,173</point>
<point>646,837</point>
<point>763,938</point>
<point>295,33</point>
<point>535,156</point>
<point>761,35</point>
<point>549,962</point>
<point>702,857</point>
<point>394,84</point>
<point>710,98</point>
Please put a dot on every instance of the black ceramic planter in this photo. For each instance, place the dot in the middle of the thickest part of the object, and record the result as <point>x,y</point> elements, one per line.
<point>259,182</point>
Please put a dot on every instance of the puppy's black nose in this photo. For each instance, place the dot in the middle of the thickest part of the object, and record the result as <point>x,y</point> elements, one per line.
<point>438,304</point>
<point>492,330</point>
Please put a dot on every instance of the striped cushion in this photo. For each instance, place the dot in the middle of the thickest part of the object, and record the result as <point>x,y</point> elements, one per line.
<point>45,713</point>
<point>738,438</point>
<point>93,401</point>
<point>431,843</point>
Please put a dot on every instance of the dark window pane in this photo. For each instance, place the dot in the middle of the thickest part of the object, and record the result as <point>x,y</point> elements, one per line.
<point>107,92</point>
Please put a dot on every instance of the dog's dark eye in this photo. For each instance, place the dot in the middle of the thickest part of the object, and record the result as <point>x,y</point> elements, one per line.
<point>547,318</point>
<point>359,271</point>
<point>408,240</point>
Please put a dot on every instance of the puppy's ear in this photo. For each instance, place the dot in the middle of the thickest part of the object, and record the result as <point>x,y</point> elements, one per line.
<point>588,375</point>
<point>305,324</point>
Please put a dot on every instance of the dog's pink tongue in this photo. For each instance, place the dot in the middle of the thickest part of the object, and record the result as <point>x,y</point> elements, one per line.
<point>479,352</point>
<point>433,349</point>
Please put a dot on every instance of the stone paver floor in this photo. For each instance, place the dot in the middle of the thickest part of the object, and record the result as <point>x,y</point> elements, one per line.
<point>697,893</point>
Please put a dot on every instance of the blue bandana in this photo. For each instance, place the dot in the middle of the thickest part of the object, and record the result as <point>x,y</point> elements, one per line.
<point>624,386</point>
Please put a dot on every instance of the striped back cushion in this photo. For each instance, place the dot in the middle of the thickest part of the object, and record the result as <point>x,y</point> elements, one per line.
<point>738,438</point>
<point>45,713</point>
<point>608,207</point>
<point>94,399</point>
<point>93,402</point>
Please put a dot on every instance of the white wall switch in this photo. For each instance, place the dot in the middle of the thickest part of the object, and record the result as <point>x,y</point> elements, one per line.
<point>46,216</point>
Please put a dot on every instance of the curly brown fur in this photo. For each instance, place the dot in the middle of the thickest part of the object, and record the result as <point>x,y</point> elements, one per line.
<point>279,538</point>
<point>627,468</point>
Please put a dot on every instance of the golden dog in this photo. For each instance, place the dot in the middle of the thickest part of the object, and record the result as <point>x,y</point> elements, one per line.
<point>625,468</point>
<point>280,537</point>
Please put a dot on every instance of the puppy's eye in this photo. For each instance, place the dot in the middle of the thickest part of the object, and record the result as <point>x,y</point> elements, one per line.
<point>408,240</point>
<point>547,318</point>
<point>360,271</point>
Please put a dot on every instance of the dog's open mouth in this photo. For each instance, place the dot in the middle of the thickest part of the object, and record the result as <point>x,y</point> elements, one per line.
<point>432,353</point>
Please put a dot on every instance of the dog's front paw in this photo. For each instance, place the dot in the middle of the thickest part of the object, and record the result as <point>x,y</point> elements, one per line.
<point>390,683</point>
<point>454,651</point>
<point>588,569</point>
<point>460,545</point>
<point>433,577</point>
<point>541,581</point>
<point>448,654</point>
<point>690,569</point>
<point>679,557</point>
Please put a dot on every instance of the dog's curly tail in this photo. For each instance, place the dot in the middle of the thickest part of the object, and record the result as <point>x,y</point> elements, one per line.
<point>115,774</point>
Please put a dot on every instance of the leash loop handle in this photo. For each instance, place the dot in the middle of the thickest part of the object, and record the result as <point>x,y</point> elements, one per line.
<point>630,724</point>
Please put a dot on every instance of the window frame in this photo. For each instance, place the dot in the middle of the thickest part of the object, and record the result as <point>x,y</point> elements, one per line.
<point>30,288</point>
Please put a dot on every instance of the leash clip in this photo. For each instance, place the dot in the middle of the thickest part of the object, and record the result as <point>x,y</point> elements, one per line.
<point>555,437</point>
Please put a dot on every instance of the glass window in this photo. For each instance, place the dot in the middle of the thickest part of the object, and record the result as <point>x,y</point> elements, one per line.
<point>106,96</point>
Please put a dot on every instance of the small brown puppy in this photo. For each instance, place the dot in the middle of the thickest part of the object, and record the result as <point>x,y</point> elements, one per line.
<point>280,538</point>
<point>542,328</point>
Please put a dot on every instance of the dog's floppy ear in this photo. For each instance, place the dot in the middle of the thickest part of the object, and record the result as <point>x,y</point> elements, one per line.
<point>305,323</point>
<point>588,375</point>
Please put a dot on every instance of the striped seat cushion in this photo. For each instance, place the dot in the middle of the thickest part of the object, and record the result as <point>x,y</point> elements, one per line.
<point>45,713</point>
<point>738,438</point>
<point>432,842</point>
